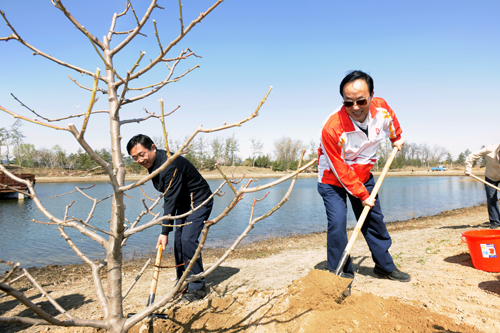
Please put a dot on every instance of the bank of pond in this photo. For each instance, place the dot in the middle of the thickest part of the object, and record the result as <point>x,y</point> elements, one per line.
<point>36,245</point>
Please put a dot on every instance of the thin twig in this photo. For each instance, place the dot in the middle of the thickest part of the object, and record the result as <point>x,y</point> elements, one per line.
<point>136,279</point>
<point>44,293</point>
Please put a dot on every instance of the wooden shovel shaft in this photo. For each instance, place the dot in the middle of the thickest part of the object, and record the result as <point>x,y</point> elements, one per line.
<point>364,214</point>
<point>156,273</point>
<point>484,181</point>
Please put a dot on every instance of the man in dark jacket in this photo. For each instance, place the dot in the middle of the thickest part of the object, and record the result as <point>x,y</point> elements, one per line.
<point>184,183</point>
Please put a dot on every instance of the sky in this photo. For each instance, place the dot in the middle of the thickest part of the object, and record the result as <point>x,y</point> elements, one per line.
<point>436,63</point>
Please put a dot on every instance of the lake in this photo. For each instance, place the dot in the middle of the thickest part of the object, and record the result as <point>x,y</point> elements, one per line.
<point>36,245</point>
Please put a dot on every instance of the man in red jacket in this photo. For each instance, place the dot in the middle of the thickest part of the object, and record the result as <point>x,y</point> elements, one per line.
<point>349,141</point>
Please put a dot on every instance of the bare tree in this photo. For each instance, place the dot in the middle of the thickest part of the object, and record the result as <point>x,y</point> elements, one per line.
<point>122,89</point>
<point>231,147</point>
<point>287,150</point>
<point>425,153</point>
<point>256,148</point>
<point>438,153</point>
<point>4,136</point>
<point>217,145</point>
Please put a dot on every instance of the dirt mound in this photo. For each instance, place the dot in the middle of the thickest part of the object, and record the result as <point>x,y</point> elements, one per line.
<point>307,305</point>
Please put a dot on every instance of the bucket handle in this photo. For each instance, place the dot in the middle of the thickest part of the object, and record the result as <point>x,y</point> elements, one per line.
<point>462,238</point>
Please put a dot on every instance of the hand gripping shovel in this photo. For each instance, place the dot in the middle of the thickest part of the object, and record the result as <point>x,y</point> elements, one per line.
<point>357,229</point>
<point>154,282</point>
<point>483,181</point>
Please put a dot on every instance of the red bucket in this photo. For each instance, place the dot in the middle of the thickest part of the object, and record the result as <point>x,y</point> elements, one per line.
<point>484,248</point>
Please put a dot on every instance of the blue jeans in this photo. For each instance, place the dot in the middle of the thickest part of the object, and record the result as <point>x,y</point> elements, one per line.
<point>492,201</point>
<point>374,229</point>
<point>186,242</point>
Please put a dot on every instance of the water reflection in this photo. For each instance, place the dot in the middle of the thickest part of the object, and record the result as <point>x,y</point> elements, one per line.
<point>35,244</point>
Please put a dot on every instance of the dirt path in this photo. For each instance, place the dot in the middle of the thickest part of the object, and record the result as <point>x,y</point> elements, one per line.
<point>279,286</point>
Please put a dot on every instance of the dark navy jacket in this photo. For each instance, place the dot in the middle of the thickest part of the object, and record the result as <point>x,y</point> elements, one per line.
<point>187,180</point>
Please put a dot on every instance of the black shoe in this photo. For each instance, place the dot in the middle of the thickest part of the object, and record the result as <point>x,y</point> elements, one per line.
<point>494,225</point>
<point>192,295</point>
<point>395,275</point>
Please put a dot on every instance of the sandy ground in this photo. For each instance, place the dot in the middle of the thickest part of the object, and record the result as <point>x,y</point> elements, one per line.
<point>280,285</point>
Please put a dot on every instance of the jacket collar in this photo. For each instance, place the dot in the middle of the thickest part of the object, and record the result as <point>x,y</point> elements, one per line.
<point>347,123</point>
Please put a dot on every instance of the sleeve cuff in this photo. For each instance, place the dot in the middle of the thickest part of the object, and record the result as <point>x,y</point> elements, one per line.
<point>364,196</point>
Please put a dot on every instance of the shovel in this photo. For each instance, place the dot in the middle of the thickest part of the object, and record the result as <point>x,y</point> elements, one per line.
<point>483,181</point>
<point>357,229</point>
<point>154,282</point>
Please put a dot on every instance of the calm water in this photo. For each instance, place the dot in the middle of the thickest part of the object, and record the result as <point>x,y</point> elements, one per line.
<point>35,244</point>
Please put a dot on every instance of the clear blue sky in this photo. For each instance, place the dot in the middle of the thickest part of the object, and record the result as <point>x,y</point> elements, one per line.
<point>435,62</point>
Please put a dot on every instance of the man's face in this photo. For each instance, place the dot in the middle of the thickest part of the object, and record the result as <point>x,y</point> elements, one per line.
<point>143,156</point>
<point>357,91</point>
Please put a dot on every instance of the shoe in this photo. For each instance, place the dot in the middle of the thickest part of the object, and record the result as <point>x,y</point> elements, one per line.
<point>494,226</point>
<point>192,295</point>
<point>395,275</point>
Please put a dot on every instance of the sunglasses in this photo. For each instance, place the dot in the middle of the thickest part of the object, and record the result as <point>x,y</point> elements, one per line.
<point>361,102</point>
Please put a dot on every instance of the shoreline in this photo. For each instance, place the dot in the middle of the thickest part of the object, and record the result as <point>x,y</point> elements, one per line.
<point>238,174</point>
<point>417,223</point>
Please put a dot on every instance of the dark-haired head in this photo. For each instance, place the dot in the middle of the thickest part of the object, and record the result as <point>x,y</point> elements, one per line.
<point>356,75</point>
<point>141,139</point>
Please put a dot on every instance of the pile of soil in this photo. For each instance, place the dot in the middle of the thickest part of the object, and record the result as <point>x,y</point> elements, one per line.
<point>307,305</point>
<point>281,285</point>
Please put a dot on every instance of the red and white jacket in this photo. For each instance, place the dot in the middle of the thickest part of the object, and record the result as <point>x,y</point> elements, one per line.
<point>346,154</point>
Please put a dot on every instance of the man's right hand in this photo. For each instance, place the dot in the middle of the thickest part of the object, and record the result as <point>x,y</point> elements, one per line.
<point>163,240</point>
<point>467,172</point>
<point>368,202</point>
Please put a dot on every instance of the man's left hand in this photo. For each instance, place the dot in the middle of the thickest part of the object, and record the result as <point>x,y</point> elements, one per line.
<point>399,144</point>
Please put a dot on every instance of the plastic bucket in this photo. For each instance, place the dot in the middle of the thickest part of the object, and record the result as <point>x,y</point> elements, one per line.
<point>484,248</point>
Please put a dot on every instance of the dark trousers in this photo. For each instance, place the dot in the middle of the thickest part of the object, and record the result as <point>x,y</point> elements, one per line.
<point>492,201</point>
<point>374,229</point>
<point>186,242</point>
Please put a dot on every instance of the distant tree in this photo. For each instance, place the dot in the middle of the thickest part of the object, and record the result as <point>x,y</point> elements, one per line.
<point>24,154</point>
<point>437,154</point>
<point>449,158</point>
<point>287,151</point>
<point>16,138</point>
<point>4,142</point>
<point>461,159</point>
<point>83,161</point>
<point>425,153</point>
<point>231,147</point>
<point>256,148</point>
<point>482,161</point>
<point>383,152</point>
<point>200,150</point>
<point>263,161</point>
<point>217,146</point>
<point>313,150</point>
<point>59,156</point>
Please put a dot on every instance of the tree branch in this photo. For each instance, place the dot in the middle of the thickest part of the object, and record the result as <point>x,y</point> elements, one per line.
<point>91,105</point>
<point>17,37</point>
<point>95,270</point>
<point>172,43</point>
<point>136,279</point>
<point>137,29</point>
<point>187,142</point>
<point>44,293</point>
<point>34,120</point>
<point>58,4</point>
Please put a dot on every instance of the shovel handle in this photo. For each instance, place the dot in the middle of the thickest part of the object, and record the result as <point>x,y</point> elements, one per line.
<point>484,181</point>
<point>364,214</point>
<point>156,273</point>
